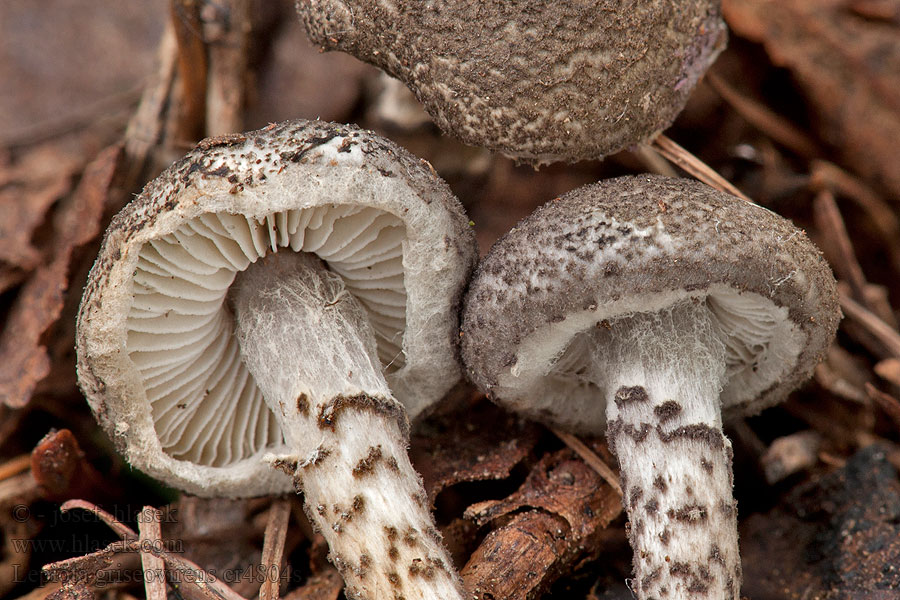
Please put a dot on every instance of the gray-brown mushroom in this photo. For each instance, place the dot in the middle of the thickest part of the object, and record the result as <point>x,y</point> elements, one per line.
<point>537,81</point>
<point>286,298</point>
<point>650,308</point>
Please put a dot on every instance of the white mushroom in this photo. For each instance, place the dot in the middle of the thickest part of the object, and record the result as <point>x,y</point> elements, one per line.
<point>650,307</point>
<point>286,297</point>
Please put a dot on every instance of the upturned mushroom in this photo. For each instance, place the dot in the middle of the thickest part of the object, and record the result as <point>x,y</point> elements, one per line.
<point>286,297</point>
<point>537,81</point>
<point>650,308</point>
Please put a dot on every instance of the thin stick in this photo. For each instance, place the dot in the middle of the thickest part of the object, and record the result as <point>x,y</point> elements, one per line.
<point>273,547</point>
<point>696,167</point>
<point>829,219</point>
<point>760,116</point>
<point>154,567</point>
<point>654,162</point>
<point>13,467</point>
<point>123,531</point>
<point>889,404</point>
<point>591,458</point>
<point>873,324</point>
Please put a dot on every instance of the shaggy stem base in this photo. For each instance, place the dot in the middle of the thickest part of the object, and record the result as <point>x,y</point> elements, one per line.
<point>662,374</point>
<point>307,342</point>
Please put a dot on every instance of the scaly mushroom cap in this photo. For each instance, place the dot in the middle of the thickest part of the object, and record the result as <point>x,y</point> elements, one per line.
<point>635,245</point>
<point>157,356</point>
<point>537,81</point>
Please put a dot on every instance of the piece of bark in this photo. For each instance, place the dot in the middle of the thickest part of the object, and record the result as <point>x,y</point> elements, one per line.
<point>553,521</point>
<point>836,537</point>
<point>324,586</point>
<point>848,66</point>
<point>60,470</point>
<point>464,450</point>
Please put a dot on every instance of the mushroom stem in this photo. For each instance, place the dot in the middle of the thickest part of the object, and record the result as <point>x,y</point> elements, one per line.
<point>307,342</point>
<point>663,373</point>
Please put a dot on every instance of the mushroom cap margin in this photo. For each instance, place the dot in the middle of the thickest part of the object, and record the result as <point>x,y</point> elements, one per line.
<point>568,257</point>
<point>235,173</point>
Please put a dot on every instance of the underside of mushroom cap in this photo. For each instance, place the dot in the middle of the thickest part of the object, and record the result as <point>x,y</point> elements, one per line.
<point>636,245</point>
<point>157,358</point>
<point>537,81</point>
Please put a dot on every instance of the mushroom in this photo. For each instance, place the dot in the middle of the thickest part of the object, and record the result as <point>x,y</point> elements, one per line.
<point>287,296</point>
<point>651,308</point>
<point>537,81</point>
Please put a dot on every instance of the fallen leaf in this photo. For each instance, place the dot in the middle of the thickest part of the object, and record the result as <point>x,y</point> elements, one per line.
<point>23,357</point>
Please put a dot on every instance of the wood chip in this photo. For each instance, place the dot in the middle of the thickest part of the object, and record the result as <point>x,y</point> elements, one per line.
<point>153,567</point>
<point>273,548</point>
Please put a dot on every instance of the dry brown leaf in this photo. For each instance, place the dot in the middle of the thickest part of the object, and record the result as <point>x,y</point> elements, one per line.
<point>28,188</point>
<point>23,357</point>
<point>847,61</point>
<point>567,505</point>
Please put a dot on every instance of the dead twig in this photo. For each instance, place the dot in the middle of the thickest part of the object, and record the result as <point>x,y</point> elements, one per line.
<point>829,220</point>
<point>872,324</point>
<point>760,116</point>
<point>591,458</point>
<point>153,566</point>
<point>886,402</point>
<point>696,167</point>
<point>13,467</point>
<point>185,570</point>
<point>273,548</point>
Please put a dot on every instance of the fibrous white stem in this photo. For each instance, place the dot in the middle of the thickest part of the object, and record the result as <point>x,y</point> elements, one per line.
<point>662,374</point>
<point>306,341</point>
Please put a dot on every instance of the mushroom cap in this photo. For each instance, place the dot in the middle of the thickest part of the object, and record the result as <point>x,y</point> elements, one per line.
<point>157,358</point>
<point>537,81</point>
<point>633,245</point>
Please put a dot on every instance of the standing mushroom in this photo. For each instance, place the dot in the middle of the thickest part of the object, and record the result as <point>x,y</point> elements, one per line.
<point>651,307</point>
<point>278,295</point>
<point>537,81</point>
